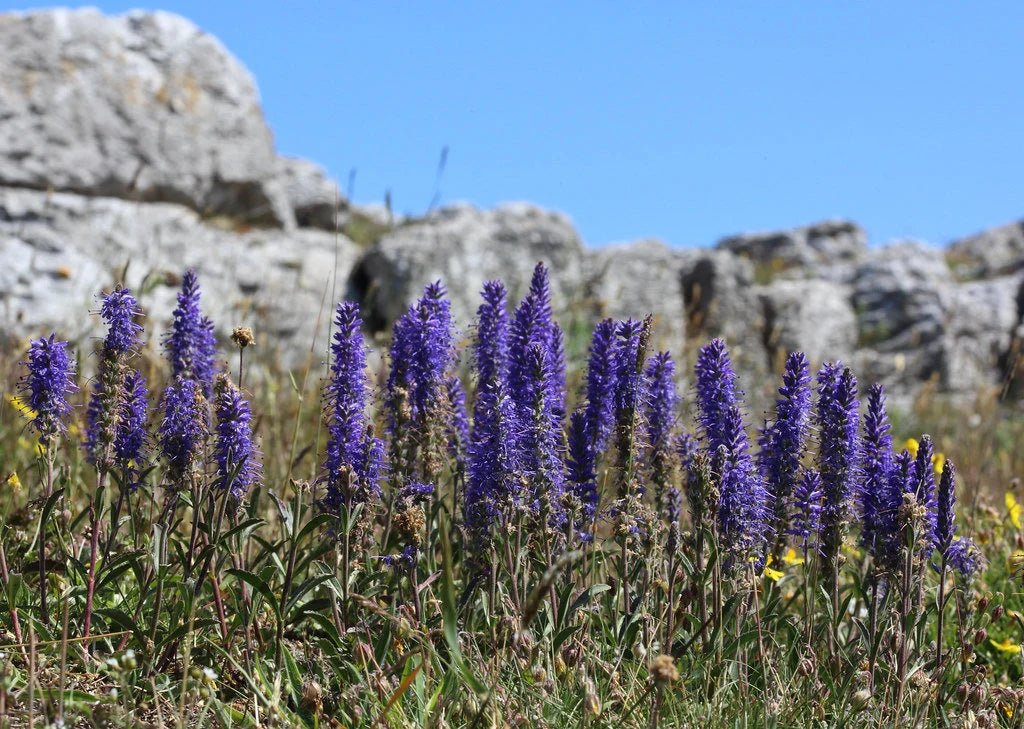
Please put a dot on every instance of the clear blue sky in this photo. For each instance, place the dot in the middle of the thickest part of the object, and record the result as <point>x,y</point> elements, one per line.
<point>682,121</point>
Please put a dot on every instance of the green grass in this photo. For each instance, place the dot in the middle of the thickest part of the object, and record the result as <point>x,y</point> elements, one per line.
<point>259,622</point>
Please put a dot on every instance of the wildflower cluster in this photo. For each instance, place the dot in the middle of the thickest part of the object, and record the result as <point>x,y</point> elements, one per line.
<point>483,462</point>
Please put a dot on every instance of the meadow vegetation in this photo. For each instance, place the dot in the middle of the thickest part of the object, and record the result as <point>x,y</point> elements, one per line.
<point>480,533</point>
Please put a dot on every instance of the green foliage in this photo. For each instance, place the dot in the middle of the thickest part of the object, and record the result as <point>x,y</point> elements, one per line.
<point>213,612</point>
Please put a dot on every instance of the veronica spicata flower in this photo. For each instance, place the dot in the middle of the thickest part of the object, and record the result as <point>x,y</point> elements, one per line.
<point>46,386</point>
<point>190,343</point>
<point>660,406</point>
<point>184,427</point>
<point>131,441</point>
<point>106,403</point>
<point>238,459</point>
<point>354,456</point>
<point>783,442</point>
<point>878,511</point>
<point>743,516</point>
<point>837,419</point>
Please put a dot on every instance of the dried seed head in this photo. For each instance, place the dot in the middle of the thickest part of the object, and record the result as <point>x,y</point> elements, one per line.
<point>242,337</point>
<point>663,669</point>
<point>312,697</point>
<point>860,700</point>
<point>410,522</point>
<point>590,701</point>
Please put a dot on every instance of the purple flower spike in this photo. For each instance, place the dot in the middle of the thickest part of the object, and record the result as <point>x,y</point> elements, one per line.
<point>924,489</point>
<point>783,442</point>
<point>238,460</point>
<point>131,443</point>
<point>421,352</point>
<point>46,386</point>
<point>744,522</point>
<point>964,556</point>
<point>528,329</point>
<point>660,396</point>
<point>743,513</point>
<point>184,427</point>
<point>686,447</point>
<point>553,341</point>
<point>628,380</point>
<point>716,392</point>
<point>945,518</point>
<point>837,419</point>
<point>660,391</point>
<point>190,343</point>
<point>495,461</point>
<point>600,412</point>
<point>581,465</point>
<point>889,535</point>
<point>541,443</point>
<point>877,509</point>
<point>491,348</point>
<point>106,402</point>
<point>354,456</point>
<point>806,519</point>
<point>119,310</point>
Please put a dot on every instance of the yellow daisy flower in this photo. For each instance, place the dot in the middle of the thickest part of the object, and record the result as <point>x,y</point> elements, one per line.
<point>1005,645</point>
<point>1013,509</point>
<point>791,557</point>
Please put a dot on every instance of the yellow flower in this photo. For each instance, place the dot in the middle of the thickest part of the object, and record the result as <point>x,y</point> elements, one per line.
<point>13,481</point>
<point>772,574</point>
<point>938,461</point>
<point>852,551</point>
<point>791,557</point>
<point>911,447</point>
<point>1005,645</point>
<point>1013,509</point>
<point>22,407</point>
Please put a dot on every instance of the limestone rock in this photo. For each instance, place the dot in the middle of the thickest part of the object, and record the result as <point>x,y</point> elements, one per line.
<point>464,247</point>
<point>902,297</point>
<point>142,106</point>
<point>811,247</point>
<point>58,250</point>
<point>990,253</point>
<point>813,317</point>
<point>984,318</point>
<point>314,198</point>
<point>637,279</point>
<point>722,301</point>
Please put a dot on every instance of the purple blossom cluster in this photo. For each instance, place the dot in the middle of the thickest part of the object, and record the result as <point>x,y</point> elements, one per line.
<point>521,456</point>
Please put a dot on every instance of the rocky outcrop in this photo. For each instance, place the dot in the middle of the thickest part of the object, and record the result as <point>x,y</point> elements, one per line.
<point>133,147</point>
<point>808,248</point>
<point>631,280</point>
<point>991,253</point>
<point>464,247</point>
<point>143,106</point>
<point>58,250</point>
<point>314,198</point>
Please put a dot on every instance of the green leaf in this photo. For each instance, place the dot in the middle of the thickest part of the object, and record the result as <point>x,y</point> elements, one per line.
<point>449,611</point>
<point>259,586</point>
<point>588,595</point>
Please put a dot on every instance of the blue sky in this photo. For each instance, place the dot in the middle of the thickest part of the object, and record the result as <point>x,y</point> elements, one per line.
<point>680,121</point>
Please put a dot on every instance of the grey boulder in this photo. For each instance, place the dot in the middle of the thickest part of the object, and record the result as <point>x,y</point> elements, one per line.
<point>142,106</point>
